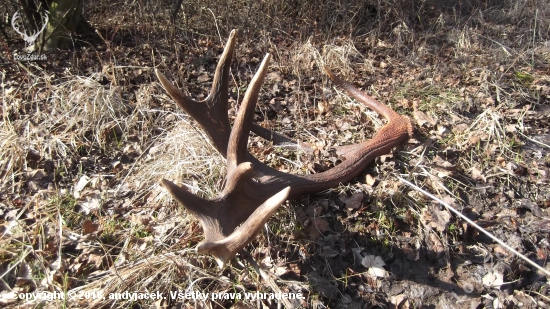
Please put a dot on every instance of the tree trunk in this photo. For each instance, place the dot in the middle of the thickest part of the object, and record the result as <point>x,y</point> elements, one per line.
<point>31,13</point>
<point>65,21</point>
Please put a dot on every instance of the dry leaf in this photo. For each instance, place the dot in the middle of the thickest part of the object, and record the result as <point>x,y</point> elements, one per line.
<point>459,128</point>
<point>321,284</point>
<point>477,175</point>
<point>435,217</point>
<point>321,225</point>
<point>80,185</point>
<point>493,279</point>
<point>352,202</point>
<point>90,202</point>
<point>398,300</point>
<point>370,180</point>
<point>37,174</point>
<point>375,265</point>
<point>204,77</point>
<point>317,227</point>
<point>89,227</point>
<point>422,118</point>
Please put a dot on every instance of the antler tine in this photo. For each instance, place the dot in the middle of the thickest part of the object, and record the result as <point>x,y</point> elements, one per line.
<point>220,86</point>
<point>236,152</point>
<point>211,114</point>
<point>362,97</point>
<point>193,203</point>
<point>387,137</point>
<point>225,249</point>
<point>189,105</point>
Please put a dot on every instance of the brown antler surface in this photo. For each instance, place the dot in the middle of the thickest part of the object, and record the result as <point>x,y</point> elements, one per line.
<point>253,191</point>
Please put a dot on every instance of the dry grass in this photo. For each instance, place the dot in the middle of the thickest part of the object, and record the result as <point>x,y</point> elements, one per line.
<point>60,120</point>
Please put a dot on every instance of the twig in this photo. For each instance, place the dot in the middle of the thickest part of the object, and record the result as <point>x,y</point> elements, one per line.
<point>270,282</point>
<point>15,264</point>
<point>534,140</point>
<point>479,228</point>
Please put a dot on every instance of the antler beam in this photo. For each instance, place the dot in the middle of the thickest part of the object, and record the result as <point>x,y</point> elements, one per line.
<point>254,191</point>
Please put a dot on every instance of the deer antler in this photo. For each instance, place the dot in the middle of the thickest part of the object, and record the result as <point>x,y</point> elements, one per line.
<point>253,191</point>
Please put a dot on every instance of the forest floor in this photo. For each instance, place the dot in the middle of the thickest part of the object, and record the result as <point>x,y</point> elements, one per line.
<point>86,136</point>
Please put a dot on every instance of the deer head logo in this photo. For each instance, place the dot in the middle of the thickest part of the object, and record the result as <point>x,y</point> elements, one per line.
<point>29,39</point>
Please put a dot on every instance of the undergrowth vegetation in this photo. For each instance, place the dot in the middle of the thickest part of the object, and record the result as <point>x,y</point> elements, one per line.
<point>86,136</point>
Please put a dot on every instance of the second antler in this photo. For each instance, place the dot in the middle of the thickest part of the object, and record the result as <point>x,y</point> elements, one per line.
<point>253,191</point>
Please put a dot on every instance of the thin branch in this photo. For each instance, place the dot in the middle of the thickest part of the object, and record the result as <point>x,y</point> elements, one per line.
<point>479,228</point>
<point>270,282</point>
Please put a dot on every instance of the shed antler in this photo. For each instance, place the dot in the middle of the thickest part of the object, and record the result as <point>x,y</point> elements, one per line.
<point>253,191</point>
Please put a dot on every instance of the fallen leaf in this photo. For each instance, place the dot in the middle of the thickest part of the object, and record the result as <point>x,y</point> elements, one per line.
<point>314,210</point>
<point>352,202</point>
<point>37,174</point>
<point>315,227</point>
<point>459,128</point>
<point>321,225</point>
<point>493,279</point>
<point>323,285</point>
<point>90,202</point>
<point>82,182</point>
<point>435,217</point>
<point>478,175</point>
<point>396,300</point>
<point>204,77</point>
<point>423,118</point>
<point>375,265</point>
<point>370,180</point>
<point>89,227</point>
